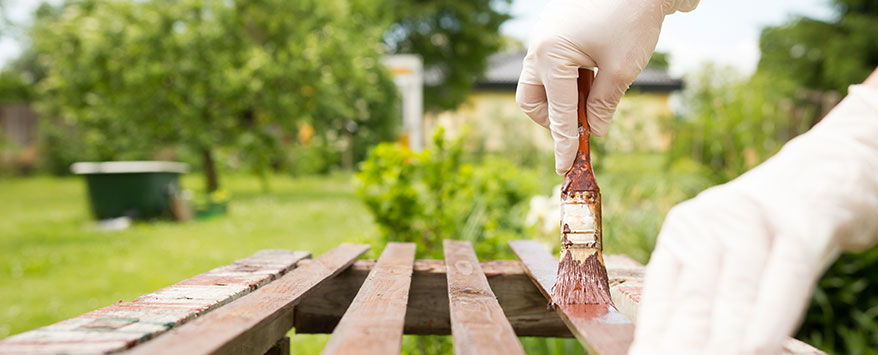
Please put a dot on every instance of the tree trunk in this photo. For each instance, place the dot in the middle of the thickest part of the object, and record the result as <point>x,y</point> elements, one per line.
<point>210,175</point>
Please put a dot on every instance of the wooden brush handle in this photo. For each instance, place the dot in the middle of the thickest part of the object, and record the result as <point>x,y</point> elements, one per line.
<point>580,187</point>
<point>583,87</point>
<point>581,176</point>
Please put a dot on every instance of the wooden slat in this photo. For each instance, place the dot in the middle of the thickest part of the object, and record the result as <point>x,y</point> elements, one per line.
<point>600,328</point>
<point>282,347</point>
<point>124,324</point>
<point>374,321</point>
<point>253,323</point>
<point>478,325</point>
<point>626,285</point>
<point>427,311</point>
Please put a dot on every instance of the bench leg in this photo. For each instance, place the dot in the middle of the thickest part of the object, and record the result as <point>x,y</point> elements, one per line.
<point>282,347</point>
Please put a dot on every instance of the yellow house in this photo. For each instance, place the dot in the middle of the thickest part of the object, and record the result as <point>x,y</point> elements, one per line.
<point>491,117</point>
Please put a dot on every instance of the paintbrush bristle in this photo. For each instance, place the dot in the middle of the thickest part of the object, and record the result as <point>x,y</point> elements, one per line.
<point>582,278</point>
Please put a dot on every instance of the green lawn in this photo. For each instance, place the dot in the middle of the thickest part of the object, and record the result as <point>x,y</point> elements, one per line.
<point>54,264</point>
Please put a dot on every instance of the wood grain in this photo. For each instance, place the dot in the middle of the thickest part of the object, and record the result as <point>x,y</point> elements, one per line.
<point>374,321</point>
<point>600,328</point>
<point>124,324</point>
<point>478,325</point>
<point>253,323</point>
<point>427,310</point>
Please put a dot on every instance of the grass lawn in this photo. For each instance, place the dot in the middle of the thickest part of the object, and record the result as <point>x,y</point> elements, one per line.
<point>54,265</point>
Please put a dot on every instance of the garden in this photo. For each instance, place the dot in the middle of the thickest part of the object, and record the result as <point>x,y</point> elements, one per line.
<point>293,126</point>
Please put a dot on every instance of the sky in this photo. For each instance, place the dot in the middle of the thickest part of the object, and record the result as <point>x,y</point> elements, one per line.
<point>720,31</point>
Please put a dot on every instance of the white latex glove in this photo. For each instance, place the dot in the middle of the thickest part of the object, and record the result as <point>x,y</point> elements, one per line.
<point>616,36</point>
<point>734,267</point>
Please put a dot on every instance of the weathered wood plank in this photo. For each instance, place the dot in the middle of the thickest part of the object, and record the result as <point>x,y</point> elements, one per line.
<point>253,323</point>
<point>125,324</point>
<point>626,285</point>
<point>600,328</point>
<point>374,321</point>
<point>478,325</point>
<point>427,311</point>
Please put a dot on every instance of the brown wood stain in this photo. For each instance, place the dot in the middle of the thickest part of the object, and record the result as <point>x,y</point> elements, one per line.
<point>582,281</point>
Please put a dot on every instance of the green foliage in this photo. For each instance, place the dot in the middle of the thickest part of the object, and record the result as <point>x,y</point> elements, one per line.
<point>637,190</point>
<point>14,88</point>
<point>824,55</point>
<point>425,197</point>
<point>731,124</point>
<point>316,158</point>
<point>845,306</point>
<point>659,61</point>
<point>454,37</point>
<point>138,76</point>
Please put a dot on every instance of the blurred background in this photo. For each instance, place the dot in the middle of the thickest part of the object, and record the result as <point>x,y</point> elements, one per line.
<point>303,124</point>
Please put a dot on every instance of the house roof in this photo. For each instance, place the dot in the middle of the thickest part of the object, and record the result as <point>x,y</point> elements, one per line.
<point>505,67</point>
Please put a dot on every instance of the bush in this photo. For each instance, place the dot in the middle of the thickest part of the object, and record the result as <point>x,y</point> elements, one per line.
<point>730,124</point>
<point>317,158</point>
<point>425,197</point>
<point>842,315</point>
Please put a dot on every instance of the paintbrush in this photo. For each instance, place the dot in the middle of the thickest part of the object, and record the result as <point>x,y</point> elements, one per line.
<point>582,276</point>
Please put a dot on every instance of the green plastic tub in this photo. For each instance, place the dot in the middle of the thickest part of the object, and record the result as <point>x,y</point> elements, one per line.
<point>135,189</point>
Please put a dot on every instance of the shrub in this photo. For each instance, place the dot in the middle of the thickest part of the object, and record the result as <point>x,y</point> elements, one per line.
<point>844,307</point>
<point>425,197</point>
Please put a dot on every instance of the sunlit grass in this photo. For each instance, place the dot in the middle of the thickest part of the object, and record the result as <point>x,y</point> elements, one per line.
<point>55,265</point>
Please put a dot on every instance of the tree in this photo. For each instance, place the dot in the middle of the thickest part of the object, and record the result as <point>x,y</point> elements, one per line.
<point>824,55</point>
<point>135,76</point>
<point>659,61</point>
<point>455,38</point>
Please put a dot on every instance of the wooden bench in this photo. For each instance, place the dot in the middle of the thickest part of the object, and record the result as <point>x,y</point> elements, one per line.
<point>248,307</point>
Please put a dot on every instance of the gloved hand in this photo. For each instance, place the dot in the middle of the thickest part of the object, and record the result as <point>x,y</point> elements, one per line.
<point>734,267</point>
<point>616,36</point>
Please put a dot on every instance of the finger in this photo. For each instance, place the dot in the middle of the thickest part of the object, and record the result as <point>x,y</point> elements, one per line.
<point>784,291</point>
<point>532,100</point>
<point>657,302</point>
<point>562,95</point>
<point>745,252</point>
<point>692,242</point>
<point>609,86</point>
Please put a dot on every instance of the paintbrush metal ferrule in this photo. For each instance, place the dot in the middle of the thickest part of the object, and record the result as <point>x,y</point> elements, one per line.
<point>579,226</point>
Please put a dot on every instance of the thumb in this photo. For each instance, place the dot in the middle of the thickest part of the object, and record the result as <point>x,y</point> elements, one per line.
<point>609,86</point>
